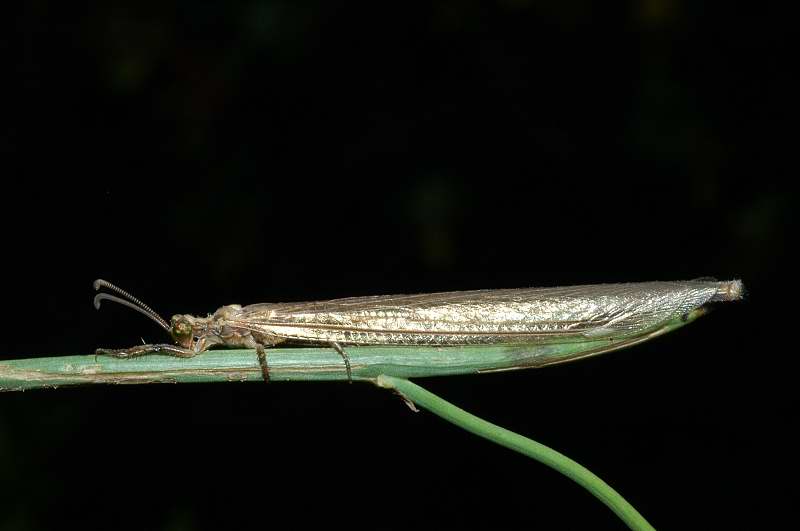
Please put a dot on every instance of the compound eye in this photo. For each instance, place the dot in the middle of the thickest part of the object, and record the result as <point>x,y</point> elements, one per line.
<point>181,331</point>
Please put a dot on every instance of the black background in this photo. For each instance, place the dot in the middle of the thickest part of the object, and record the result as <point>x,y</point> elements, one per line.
<point>201,154</point>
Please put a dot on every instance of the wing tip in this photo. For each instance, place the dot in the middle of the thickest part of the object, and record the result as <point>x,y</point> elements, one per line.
<point>730,290</point>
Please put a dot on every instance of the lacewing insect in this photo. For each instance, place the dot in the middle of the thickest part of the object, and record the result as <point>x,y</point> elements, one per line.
<point>622,314</point>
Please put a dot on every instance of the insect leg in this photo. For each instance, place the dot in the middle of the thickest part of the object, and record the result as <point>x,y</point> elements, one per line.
<point>262,361</point>
<point>338,348</point>
<point>141,350</point>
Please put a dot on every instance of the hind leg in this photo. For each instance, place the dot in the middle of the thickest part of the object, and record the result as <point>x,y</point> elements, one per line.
<point>338,348</point>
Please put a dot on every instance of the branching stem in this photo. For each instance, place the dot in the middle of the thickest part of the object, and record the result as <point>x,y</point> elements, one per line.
<point>582,476</point>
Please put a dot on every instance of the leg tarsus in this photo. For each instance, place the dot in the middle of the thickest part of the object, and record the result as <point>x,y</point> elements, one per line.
<point>338,348</point>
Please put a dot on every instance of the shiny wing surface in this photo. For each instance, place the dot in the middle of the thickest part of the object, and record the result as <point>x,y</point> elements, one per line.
<point>484,316</point>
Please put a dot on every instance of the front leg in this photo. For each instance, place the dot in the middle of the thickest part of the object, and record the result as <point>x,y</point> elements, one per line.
<point>142,350</point>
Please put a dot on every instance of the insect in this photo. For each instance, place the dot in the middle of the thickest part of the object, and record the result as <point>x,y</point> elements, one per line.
<point>619,313</point>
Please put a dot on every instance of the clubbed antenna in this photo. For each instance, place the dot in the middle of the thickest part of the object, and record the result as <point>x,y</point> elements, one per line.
<point>131,302</point>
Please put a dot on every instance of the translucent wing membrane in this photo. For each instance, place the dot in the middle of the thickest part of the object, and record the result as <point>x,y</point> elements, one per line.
<point>488,316</point>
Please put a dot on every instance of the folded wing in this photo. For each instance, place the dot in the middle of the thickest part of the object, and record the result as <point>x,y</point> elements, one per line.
<point>485,316</point>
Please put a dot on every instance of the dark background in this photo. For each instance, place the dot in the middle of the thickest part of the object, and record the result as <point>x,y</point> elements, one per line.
<point>201,154</point>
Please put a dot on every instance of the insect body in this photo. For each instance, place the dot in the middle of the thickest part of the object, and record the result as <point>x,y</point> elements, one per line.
<point>617,312</point>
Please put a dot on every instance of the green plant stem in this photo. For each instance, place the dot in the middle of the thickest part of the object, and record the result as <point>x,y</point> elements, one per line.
<point>306,364</point>
<point>386,366</point>
<point>599,489</point>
